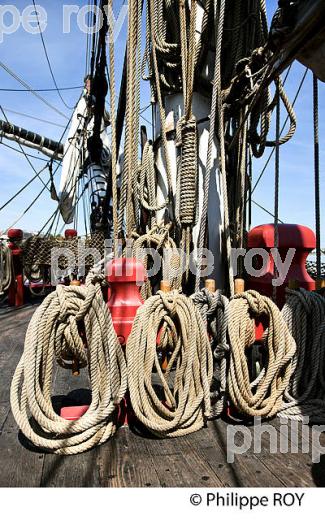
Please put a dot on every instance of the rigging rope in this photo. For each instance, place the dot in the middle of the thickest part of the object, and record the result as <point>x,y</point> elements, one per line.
<point>159,239</point>
<point>181,331</point>
<point>317,176</point>
<point>53,333</point>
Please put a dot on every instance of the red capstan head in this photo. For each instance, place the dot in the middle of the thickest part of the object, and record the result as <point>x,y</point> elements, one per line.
<point>15,234</point>
<point>70,233</point>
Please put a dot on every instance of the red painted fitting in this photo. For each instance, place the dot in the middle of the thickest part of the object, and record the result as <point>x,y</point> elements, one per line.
<point>16,289</point>
<point>294,236</point>
<point>70,233</point>
<point>73,413</point>
<point>15,234</point>
<point>125,276</point>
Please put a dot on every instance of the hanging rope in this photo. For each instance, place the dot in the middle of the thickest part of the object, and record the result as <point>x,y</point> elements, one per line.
<point>53,334</point>
<point>304,313</point>
<point>276,186</point>
<point>6,267</point>
<point>130,165</point>
<point>264,396</point>
<point>186,382</point>
<point>317,176</point>
<point>113,124</point>
<point>147,184</point>
<point>158,238</point>
<point>214,310</point>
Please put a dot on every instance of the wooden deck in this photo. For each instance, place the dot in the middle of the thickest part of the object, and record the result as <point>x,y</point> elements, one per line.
<point>130,460</point>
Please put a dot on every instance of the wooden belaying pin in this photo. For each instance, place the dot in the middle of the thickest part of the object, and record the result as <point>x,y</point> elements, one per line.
<point>239,285</point>
<point>75,368</point>
<point>320,284</point>
<point>165,286</point>
<point>293,285</point>
<point>210,285</point>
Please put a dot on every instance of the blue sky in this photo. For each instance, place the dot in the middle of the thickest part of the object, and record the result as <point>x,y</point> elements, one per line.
<point>23,53</point>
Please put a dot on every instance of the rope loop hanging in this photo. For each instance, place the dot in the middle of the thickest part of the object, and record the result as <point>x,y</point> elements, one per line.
<point>264,396</point>
<point>170,322</point>
<point>53,333</point>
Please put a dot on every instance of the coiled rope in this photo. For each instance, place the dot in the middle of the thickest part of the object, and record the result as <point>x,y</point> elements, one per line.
<point>53,334</point>
<point>214,309</point>
<point>304,313</point>
<point>264,396</point>
<point>6,267</point>
<point>176,321</point>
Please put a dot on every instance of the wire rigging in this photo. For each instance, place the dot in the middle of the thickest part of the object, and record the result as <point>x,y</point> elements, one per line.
<point>48,59</point>
<point>40,89</point>
<point>34,118</point>
<point>31,90</point>
<point>23,151</point>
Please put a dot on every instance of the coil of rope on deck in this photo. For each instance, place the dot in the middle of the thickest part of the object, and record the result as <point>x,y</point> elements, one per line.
<point>264,396</point>
<point>53,333</point>
<point>6,267</point>
<point>304,313</point>
<point>174,320</point>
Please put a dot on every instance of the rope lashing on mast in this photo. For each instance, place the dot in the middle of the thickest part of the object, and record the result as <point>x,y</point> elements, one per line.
<point>187,180</point>
<point>264,396</point>
<point>304,313</point>
<point>186,382</point>
<point>53,334</point>
<point>187,137</point>
<point>214,310</point>
<point>6,267</point>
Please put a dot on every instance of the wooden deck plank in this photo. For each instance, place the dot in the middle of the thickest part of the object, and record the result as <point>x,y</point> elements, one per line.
<point>71,471</point>
<point>123,465</point>
<point>245,471</point>
<point>20,467</point>
<point>132,459</point>
<point>4,410</point>
<point>186,469</point>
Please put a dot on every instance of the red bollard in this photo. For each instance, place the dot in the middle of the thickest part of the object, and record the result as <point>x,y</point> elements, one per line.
<point>124,276</point>
<point>16,289</point>
<point>70,233</point>
<point>294,236</point>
